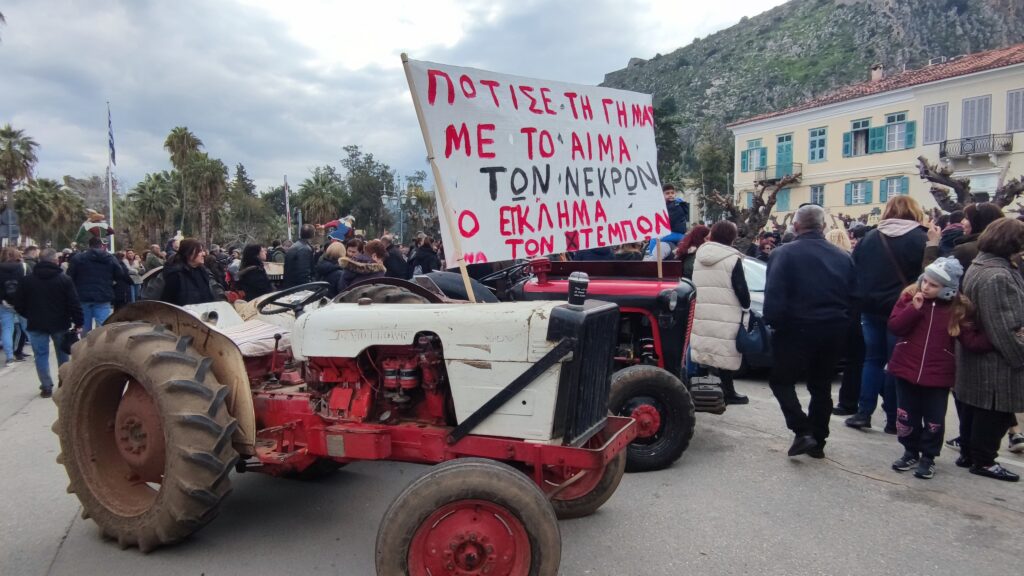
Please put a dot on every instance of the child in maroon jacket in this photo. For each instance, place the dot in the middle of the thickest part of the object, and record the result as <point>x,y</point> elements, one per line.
<point>928,318</point>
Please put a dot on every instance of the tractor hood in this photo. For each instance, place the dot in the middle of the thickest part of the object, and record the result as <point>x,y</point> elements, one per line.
<point>506,332</point>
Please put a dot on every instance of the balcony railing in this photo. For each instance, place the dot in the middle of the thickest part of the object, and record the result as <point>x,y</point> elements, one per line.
<point>966,147</point>
<point>776,172</point>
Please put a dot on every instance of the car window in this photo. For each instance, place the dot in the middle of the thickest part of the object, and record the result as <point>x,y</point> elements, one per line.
<point>755,272</point>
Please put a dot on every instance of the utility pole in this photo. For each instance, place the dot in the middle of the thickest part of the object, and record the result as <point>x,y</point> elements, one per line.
<point>287,208</point>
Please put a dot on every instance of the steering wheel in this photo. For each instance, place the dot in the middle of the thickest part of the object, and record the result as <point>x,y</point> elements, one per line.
<point>280,307</point>
<point>505,273</point>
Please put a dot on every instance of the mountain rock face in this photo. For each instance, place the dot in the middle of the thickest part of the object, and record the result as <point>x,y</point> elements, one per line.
<point>805,48</point>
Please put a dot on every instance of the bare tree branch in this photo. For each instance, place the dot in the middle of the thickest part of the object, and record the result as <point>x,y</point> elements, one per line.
<point>943,176</point>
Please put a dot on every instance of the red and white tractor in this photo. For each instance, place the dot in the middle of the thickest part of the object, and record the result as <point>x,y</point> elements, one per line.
<point>509,401</point>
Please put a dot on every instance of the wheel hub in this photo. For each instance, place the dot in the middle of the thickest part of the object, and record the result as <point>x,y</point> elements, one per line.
<point>648,420</point>
<point>139,434</point>
<point>468,538</point>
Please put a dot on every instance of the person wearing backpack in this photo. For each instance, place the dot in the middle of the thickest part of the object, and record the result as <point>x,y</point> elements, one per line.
<point>11,272</point>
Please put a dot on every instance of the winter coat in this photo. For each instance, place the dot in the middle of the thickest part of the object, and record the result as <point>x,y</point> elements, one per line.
<point>47,299</point>
<point>184,285</point>
<point>925,353</point>
<point>358,269</point>
<point>253,280</point>
<point>719,308</point>
<point>94,272</point>
<point>12,272</point>
<point>329,271</point>
<point>395,265</point>
<point>298,264</point>
<point>425,260</point>
<point>627,255</point>
<point>879,282</point>
<point>809,283</point>
<point>153,262</point>
<point>688,261</point>
<point>965,249</point>
<point>678,215</point>
<point>994,380</point>
<point>947,241</point>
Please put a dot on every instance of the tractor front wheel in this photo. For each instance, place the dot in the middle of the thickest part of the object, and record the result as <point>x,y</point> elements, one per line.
<point>664,414</point>
<point>470,516</point>
<point>145,434</point>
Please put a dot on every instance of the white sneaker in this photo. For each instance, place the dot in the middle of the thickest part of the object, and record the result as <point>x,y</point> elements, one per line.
<point>1016,443</point>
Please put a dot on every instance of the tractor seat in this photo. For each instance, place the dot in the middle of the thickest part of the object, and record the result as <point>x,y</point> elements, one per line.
<point>254,337</point>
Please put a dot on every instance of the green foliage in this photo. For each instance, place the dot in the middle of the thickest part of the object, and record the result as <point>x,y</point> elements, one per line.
<point>322,196</point>
<point>49,212</point>
<point>241,185</point>
<point>17,158</point>
<point>367,179</point>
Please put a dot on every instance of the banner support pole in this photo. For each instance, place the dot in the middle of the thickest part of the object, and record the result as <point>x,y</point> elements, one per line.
<point>657,248</point>
<point>442,195</point>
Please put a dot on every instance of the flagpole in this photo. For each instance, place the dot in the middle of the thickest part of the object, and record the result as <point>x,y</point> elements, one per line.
<point>287,209</point>
<point>110,175</point>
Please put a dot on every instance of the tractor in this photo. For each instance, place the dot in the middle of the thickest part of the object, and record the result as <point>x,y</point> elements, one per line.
<point>650,383</point>
<point>161,404</point>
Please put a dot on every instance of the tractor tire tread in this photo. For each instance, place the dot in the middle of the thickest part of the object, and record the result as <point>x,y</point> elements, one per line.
<point>642,380</point>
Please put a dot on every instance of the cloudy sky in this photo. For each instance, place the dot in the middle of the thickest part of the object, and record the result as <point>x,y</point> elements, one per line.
<point>282,86</point>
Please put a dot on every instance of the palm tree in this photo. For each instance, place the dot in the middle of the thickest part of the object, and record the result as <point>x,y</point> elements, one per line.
<point>154,200</point>
<point>322,195</point>
<point>68,210</point>
<point>208,177</point>
<point>17,157</point>
<point>182,143</point>
<point>34,205</point>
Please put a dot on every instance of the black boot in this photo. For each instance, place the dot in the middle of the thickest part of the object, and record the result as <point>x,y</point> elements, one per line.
<point>729,390</point>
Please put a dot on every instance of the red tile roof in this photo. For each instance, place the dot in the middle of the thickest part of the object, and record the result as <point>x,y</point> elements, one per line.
<point>958,66</point>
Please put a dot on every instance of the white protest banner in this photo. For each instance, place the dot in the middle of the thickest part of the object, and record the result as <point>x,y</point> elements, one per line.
<point>529,167</point>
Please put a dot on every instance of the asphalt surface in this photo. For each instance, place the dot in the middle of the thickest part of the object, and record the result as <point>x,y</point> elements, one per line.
<point>734,504</point>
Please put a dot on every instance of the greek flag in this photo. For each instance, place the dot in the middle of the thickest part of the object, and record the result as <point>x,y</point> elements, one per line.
<point>110,137</point>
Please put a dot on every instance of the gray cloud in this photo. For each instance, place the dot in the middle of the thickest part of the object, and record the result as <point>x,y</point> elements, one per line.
<point>248,89</point>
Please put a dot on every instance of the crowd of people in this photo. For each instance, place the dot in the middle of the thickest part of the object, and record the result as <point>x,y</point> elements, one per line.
<point>908,309</point>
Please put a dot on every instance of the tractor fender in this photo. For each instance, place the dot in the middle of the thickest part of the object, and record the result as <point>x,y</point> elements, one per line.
<point>228,365</point>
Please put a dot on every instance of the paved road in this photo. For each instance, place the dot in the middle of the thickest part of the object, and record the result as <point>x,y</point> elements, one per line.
<point>734,504</point>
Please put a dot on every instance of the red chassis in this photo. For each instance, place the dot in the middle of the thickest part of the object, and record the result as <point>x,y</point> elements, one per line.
<point>293,437</point>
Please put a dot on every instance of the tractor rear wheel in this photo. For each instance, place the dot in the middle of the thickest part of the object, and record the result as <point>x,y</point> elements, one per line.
<point>588,492</point>
<point>382,294</point>
<point>664,412</point>
<point>470,516</point>
<point>145,434</point>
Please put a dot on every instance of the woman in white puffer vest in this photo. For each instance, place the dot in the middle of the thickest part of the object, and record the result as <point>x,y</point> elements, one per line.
<point>722,297</point>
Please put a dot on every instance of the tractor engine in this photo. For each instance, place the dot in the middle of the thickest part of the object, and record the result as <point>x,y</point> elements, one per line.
<point>383,384</point>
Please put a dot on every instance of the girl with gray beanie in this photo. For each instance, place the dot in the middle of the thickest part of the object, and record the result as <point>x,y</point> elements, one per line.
<point>928,318</point>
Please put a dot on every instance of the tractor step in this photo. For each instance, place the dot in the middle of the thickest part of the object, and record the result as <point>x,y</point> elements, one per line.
<point>708,398</point>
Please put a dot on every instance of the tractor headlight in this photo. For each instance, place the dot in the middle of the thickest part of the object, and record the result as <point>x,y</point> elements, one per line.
<point>668,299</point>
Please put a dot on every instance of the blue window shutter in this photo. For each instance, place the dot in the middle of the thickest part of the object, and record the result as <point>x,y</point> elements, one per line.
<point>911,134</point>
<point>867,192</point>
<point>905,185</point>
<point>883,189</point>
<point>764,158</point>
<point>782,200</point>
<point>849,192</point>
<point>876,140</point>
<point>743,161</point>
<point>847,145</point>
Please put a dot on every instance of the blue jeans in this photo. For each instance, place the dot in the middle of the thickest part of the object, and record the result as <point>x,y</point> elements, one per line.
<point>878,345</point>
<point>8,319</point>
<point>41,350</point>
<point>99,311</point>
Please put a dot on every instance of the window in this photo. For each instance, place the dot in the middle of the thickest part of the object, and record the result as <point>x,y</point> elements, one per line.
<point>977,117</point>
<point>1015,111</point>
<point>755,157</point>
<point>895,131</point>
<point>750,199</point>
<point>935,123</point>
<point>818,195</point>
<point>816,146</point>
<point>858,192</point>
<point>893,186</point>
<point>860,137</point>
<point>782,200</point>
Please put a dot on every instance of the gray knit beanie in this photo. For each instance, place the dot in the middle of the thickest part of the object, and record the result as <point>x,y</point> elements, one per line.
<point>947,272</point>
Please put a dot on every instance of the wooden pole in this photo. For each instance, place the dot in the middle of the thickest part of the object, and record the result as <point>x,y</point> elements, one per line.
<point>441,194</point>
<point>657,248</point>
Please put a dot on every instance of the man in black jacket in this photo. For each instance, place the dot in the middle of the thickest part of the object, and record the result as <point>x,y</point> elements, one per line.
<point>93,273</point>
<point>810,319</point>
<point>394,263</point>
<point>298,261</point>
<point>47,299</point>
